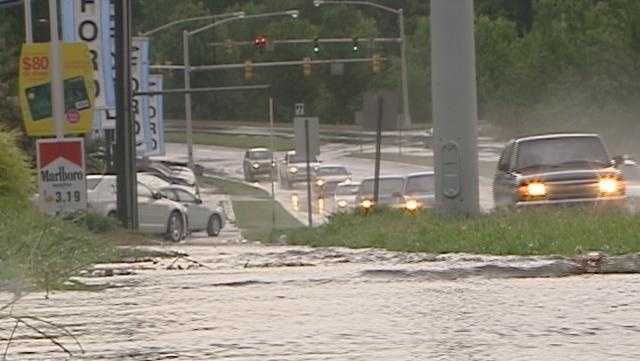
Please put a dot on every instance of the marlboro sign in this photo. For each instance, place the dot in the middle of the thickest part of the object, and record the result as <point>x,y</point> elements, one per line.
<point>61,175</point>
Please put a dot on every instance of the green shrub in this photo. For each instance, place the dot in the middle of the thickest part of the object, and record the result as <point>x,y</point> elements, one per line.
<point>16,174</point>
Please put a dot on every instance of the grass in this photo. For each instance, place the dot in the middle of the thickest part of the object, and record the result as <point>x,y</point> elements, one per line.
<point>43,252</point>
<point>254,210</point>
<point>233,141</point>
<point>568,231</point>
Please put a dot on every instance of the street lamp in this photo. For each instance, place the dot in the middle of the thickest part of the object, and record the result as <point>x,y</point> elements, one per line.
<point>186,35</point>
<point>403,50</point>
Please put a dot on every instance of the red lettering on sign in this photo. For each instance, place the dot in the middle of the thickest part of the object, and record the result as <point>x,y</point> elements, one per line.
<point>35,63</point>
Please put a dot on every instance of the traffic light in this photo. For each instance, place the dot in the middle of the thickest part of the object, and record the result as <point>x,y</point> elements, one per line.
<point>306,67</point>
<point>376,63</point>
<point>316,45</point>
<point>260,42</point>
<point>248,70</point>
<point>356,46</point>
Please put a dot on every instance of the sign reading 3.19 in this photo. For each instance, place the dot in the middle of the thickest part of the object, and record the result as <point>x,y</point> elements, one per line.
<point>61,175</point>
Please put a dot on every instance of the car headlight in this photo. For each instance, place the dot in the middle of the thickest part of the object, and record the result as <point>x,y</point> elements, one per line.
<point>411,205</point>
<point>256,165</point>
<point>293,170</point>
<point>320,182</point>
<point>536,189</point>
<point>609,185</point>
<point>342,203</point>
<point>366,204</point>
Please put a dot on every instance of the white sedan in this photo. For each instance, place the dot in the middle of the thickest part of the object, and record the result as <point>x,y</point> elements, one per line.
<point>156,214</point>
<point>201,216</point>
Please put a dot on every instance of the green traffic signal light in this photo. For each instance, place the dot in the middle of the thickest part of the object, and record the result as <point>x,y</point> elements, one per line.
<point>316,45</point>
<point>356,46</point>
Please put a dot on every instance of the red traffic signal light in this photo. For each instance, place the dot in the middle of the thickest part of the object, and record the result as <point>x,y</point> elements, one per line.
<point>260,42</point>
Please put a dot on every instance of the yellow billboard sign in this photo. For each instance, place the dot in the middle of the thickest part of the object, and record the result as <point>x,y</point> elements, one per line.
<point>35,88</point>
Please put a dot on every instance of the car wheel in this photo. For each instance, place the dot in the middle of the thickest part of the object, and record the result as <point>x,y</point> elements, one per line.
<point>175,227</point>
<point>214,226</point>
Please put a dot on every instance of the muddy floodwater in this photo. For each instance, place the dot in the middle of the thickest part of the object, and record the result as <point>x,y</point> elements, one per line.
<point>255,302</point>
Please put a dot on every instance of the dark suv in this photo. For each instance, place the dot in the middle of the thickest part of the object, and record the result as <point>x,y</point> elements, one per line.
<point>258,161</point>
<point>557,169</point>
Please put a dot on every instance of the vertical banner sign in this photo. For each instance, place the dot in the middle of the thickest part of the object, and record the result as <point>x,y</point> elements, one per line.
<point>89,21</point>
<point>61,175</point>
<point>156,118</point>
<point>140,104</point>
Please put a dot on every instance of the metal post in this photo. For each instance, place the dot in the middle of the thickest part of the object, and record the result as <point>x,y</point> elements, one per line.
<point>28,22</point>
<point>187,97</point>
<point>55,57</point>
<point>454,106</point>
<point>406,110</point>
<point>376,179</point>
<point>125,137</point>
<point>308,150</point>
<point>273,163</point>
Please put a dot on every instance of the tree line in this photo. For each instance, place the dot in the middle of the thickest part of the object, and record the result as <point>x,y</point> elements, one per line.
<point>541,64</point>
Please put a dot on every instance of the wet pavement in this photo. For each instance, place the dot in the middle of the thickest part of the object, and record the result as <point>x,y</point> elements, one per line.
<point>228,300</point>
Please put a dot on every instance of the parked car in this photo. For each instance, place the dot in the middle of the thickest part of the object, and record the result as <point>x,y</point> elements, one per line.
<point>258,162</point>
<point>198,169</point>
<point>156,214</point>
<point>293,168</point>
<point>389,192</point>
<point>344,197</point>
<point>202,217</point>
<point>419,191</point>
<point>327,177</point>
<point>557,169</point>
<point>166,173</point>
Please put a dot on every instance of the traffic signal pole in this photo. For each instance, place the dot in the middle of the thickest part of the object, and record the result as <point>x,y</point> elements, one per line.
<point>125,137</point>
<point>453,85</point>
<point>187,98</point>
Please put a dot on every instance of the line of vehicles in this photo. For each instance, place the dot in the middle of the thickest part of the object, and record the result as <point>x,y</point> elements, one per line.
<point>334,182</point>
<point>547,169</point>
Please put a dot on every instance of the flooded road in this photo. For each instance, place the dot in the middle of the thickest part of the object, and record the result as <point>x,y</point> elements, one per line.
<point>253,302</point>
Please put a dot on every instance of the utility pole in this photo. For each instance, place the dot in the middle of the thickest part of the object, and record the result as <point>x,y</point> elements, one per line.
<point>55,58</point>
<point>454,106</point>
<point>125,137</point>
<point>28,22</point>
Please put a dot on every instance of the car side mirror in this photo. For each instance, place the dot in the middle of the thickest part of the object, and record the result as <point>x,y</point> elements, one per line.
<point>157,195</point>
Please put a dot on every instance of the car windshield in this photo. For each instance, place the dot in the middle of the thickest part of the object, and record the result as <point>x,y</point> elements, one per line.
<point>329,171</point>
<point>92,183</point>
<point>387,186</point>
<point>561,151</point>
<point>152,181</point>
<point>260,154</point>
<point>301,159</point>
<point>347,189</point>
<point>420,184</point>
